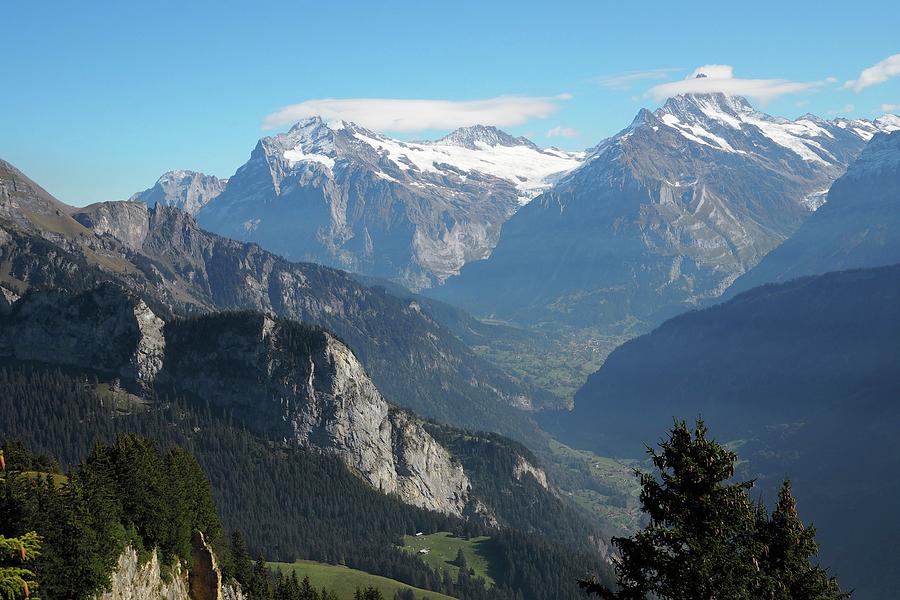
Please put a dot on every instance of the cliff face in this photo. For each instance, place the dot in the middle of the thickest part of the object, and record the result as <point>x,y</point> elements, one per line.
<point>129,222</point>
<point>134,580</point>
<point>305,385</point>
<point>283,379</point>
<point>104,329</point>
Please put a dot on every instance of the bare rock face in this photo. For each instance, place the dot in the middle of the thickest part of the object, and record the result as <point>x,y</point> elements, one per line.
<point>133,580</point>
<point>105,329</point>
<point>523,467</point>
<point>187,190</point>
<point>129,222</point>
<point>205,577</point>
<point>306,386</point>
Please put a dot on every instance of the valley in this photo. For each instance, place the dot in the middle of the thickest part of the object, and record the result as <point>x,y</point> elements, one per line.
<point>412,348</point>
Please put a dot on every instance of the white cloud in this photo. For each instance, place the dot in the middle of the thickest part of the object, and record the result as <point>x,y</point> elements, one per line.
<point>388,114</point>
<point>623,81</point>
<point>560,131</point>
<point>890,108</point>
<point>713,72</point>
<point>720,78</point>
<point>877,73</point>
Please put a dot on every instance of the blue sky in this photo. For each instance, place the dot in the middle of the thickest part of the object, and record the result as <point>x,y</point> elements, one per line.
<point>98,99</point>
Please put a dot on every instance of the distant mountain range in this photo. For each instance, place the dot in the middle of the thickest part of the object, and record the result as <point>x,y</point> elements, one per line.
<point>858,226</point>
<point>414,212</point>
<point>662,216</point>
<point>177,268</point>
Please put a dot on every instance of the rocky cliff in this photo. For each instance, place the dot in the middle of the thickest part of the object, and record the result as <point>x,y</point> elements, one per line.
<point>134,579</point>
<point>104,329</point>
<point>283,379</point>
<point>187,190</point>
<point>305,385</point>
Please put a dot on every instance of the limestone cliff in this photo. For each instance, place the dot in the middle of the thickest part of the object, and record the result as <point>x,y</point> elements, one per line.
<point>133,579</point>
<point>283,379</point>
<point>104,329</point>
<point>304,385</point>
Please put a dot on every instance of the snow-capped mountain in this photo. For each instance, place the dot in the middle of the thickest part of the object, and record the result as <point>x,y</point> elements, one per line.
<point>856,228</point>
<point>414,212</point>
<point>187,190</point>
<point>667,213</point>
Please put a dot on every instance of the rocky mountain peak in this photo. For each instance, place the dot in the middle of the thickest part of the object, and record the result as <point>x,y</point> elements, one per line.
<point>188,190</point>
<point>709,105</point>
<point>475,137</point>
<point>881,154</point>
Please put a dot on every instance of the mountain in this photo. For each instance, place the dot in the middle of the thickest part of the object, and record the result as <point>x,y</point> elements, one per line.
<point>803,377</point>
<point>414,212</point>
<point>857,226</point>
<point>187,190</point>
<point>177,268</point>
<point>663,215</point>
<point>281,378</point>
<point>319,508</point>
<point>297,390</point>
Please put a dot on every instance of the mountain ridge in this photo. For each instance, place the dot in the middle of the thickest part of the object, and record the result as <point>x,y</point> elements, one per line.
<point>663,216</point>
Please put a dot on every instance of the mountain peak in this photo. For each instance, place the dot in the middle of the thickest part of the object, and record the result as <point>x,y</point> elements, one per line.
<point>471,136</point>
<point>710,104</point>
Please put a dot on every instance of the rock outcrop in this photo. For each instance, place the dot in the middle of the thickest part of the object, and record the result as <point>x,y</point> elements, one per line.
<point>133,579</point>
<point>105,329</point>
<point>306,386</point>
<point>187,190</point>
<point>129,222</point>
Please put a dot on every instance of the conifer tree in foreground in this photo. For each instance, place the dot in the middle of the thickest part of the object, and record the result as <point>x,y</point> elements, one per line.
<point>706,540</point>
<point>16,581</point>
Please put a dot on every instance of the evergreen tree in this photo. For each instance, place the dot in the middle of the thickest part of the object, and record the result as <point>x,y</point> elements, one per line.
<point>789,548</point>
<point>15,580</point>
<point>699,541</point>
<point>259,587</point>
<point>706,540</point>
<point>307,591</point>
<point>243,567</point>
<point>460,560</point>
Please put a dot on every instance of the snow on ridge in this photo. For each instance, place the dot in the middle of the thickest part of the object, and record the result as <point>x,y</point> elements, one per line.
<point>296,156</point>
<point>530,170</point>
<point>706,118</point>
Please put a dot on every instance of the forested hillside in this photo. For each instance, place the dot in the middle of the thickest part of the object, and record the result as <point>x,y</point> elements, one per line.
<point>319,510</point>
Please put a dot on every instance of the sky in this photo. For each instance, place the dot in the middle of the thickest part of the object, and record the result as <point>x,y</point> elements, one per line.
<point>98,99</point>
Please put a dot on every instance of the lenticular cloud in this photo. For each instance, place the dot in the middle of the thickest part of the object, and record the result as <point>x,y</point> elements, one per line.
<point>388,114</point>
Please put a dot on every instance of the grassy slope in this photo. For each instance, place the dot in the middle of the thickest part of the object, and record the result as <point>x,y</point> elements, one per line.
<point>442,549</point>
<point>344,581</point>
<point>606,487</point>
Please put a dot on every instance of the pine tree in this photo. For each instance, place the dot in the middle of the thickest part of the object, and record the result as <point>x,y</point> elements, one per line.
<point>243,568</point>
<point>789,548</point>
<point>15,580</point>
<point>706,540</point>
<point>700,542</point>
<point>460,560</point>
